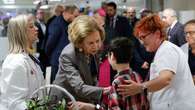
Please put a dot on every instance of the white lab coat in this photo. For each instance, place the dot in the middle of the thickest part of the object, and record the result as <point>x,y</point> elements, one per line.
<point>185,48</point>
<point>20,77</point>
<point>180,94</point>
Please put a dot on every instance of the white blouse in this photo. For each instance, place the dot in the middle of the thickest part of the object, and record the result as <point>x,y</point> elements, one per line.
<point>20,77</point>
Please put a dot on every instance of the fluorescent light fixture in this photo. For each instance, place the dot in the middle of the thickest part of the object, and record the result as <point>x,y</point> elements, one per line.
<point>55,0</point>
<point>9,6</point>
<point>44,7</point>
<point>8,14</point>
<point>16,6</point>
<point>9,1</point>
<point>35,2</point>
<point>124,6</point>
<point>44,4</point>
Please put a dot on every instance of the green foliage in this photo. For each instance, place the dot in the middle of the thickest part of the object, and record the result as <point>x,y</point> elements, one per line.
<point>45,104</point>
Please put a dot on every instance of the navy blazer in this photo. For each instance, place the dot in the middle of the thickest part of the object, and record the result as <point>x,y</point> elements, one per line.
<point>57,39</point>
<point>75,76</point>
<point>122,29</point>
<point>177,35</point>
<point>139,56</point>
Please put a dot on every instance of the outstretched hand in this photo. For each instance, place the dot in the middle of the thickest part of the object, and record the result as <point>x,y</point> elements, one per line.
<point>130,88</point>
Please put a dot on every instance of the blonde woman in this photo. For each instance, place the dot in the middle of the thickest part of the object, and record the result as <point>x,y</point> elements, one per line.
<point>78,62</point>
<point>21,73</point>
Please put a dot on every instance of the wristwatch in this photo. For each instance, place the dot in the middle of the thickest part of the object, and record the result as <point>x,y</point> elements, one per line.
<point>144,87</point>
<point>97,107</point>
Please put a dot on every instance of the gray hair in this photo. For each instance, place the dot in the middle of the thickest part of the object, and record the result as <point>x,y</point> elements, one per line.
<point>171,12</point>
<point>132,9</point>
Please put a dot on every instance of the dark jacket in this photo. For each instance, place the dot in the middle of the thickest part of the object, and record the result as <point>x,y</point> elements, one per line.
<point>41,36</point>
<point>139,56</point>
<point>177,35</point>
<point>57,39</point>
<point>40,48</point>
<point>122,28</point>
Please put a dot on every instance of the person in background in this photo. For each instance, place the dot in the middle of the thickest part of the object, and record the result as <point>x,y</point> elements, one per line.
<point>175,30</point>
<point>115,26</point>
<point>189,47</point>
<point>103,78</point>
<point>5,22</point>
<point>21,73</point>
<point>124,13</point>
<point>99,18</point>
<point>102,10</point>
<point>142,59</point>
<point>145,12</point>
<point>58,37</point>
<point>56,11</point>
<point>131,16</point>
<point>40,24</point>
<point>170,86</point>
<point>78,62</point>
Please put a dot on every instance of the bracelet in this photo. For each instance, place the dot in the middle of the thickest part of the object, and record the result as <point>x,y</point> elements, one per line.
<point>97,107</point>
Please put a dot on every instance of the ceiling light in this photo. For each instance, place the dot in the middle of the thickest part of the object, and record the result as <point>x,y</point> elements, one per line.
<point>55,0</point>
<point>44,7</point>
<point>9,1</point>
<point>35,2</point>
<point>44,4</point>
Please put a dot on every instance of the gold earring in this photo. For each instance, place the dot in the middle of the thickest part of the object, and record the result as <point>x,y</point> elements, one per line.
<point>80,49</point>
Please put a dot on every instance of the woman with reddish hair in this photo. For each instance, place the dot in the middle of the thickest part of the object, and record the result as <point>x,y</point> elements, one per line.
<point>170,86</point>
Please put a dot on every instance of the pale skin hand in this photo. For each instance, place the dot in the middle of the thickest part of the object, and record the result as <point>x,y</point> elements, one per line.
<point>82,106</point>
<point>133,88</point>
<point>193,78</point>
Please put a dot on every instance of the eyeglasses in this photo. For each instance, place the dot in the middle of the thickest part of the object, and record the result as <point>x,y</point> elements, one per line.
<point>144,36</point>
<point>191,33</point>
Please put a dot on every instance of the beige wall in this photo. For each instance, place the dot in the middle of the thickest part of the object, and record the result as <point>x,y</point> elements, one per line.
<point>156,5</point>
<point>180,4</point>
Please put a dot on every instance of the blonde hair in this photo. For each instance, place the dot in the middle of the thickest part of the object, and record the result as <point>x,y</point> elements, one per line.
<point>17,34</point>
<point>81,27</point>
<point>70,8</point>
<point>58,8</point>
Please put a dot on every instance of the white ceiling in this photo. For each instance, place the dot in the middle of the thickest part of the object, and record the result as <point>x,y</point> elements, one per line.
<point>28,6</point>
<point>29,3</point>
<point>19,2</point>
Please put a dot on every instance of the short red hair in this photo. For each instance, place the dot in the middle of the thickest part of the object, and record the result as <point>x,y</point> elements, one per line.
<point>151,23</point>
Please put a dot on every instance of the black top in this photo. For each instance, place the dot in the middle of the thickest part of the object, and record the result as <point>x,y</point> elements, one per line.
<point>191,61</point>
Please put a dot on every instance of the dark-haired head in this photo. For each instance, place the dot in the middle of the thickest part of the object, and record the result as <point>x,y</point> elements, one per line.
<point>112,4</point>
<point>192,21</point>
<point>121,47</point>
